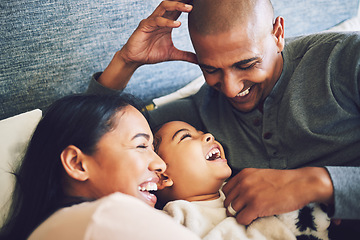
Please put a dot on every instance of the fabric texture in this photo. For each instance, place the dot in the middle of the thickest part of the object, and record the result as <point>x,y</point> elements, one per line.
<point>117,216</point>
<point>49,49</point>
<point>208,220</point>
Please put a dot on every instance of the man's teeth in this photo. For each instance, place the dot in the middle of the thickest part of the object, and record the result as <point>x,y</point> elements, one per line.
<point>244,93</point>
<point>149,186</point>
<point>213,154</point>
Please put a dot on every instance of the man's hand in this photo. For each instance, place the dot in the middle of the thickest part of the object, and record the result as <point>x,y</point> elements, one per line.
<point>151,42</point>
<point>257,193</point>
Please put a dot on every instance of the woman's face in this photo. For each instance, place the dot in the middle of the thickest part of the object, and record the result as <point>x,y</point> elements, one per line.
<point>125,160</point>
<point>195,162</point>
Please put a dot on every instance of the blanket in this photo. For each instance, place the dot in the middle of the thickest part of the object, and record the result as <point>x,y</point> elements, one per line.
<point>209,221</point>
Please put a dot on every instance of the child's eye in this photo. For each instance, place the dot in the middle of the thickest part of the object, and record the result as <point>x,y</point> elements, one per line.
<point>185,136</point>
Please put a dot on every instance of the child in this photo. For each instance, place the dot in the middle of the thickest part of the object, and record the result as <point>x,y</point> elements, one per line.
<point>196,171</point>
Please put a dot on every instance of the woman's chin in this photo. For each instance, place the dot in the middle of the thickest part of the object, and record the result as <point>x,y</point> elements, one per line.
<point>149,198</point>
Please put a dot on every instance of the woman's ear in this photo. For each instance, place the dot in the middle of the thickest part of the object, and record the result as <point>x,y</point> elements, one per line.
<point>72,159</point>
<point>165,181</point>
<point>279,33</point>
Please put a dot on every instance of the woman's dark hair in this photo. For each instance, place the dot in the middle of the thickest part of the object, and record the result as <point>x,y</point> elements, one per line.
<point>79,120</point>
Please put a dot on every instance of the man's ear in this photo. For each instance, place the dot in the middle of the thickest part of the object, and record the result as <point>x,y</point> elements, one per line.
<point>165,181</point>
<point>72,159</point>
<point>279,32</point>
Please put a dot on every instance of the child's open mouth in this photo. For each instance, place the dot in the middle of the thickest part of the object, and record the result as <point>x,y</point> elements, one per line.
<point>213,154</point>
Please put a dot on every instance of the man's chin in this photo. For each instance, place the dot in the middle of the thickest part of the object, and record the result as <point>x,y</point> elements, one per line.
<point>245,108</point>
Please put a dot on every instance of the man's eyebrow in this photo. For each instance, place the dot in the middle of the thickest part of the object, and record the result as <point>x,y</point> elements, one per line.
<point>178,131</point>
<point>245,61</point>
<point>206,66</point>
<point>144,135</point>
<point>241,62</point>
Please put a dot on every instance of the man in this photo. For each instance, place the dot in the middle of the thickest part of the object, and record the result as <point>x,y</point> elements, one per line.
<point>273,106</point>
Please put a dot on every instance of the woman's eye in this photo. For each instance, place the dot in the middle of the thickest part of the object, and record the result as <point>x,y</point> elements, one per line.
<point>142,146</point>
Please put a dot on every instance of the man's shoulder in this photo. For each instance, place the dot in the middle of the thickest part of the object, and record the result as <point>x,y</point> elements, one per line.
<point>322,38</point>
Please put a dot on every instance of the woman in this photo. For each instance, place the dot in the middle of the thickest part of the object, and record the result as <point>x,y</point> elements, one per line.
<point>85,149</point>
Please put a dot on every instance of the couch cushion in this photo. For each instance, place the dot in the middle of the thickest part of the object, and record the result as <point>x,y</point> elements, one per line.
<point>51,48</point>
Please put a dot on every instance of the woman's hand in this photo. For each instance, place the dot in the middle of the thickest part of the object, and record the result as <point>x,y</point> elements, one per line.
<point>257,193</point>
<point>150,43</point>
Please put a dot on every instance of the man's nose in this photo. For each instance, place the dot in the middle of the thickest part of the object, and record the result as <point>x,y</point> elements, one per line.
<point>231,84</point>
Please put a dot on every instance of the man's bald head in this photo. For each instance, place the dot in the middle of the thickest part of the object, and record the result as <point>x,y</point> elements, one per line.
<point>217,16</point>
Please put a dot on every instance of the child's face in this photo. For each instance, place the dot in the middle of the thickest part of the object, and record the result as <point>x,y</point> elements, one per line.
<point>195,162</point>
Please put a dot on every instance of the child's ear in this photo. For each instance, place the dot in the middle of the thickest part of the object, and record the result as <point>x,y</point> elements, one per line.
<point>165,181</point>
<point>72,159</point>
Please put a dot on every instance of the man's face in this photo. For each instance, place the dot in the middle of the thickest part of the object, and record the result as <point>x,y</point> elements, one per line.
<point>241,66</point>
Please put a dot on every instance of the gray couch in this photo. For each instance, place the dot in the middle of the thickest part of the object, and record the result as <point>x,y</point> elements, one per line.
<point>50,48</point>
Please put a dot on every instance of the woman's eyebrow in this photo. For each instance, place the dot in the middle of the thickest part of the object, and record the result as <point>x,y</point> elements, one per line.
<point>144,135</point>
<point>178,131</point>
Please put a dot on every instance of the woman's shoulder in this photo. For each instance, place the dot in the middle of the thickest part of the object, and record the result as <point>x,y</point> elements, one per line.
<point>108,218</point>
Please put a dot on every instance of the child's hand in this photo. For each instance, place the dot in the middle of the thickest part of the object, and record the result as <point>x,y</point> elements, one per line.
<point>151,42</point>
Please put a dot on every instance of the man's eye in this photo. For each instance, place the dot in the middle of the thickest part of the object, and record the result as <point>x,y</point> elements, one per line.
<point>246,67</point>
<point>185,136</point>
<point>210,70</point>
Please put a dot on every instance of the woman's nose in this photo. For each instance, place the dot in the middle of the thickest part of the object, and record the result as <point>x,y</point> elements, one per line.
<point>157,164</point>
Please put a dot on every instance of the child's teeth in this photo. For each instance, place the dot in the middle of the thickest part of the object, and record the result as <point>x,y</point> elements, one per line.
<point>212,152</point>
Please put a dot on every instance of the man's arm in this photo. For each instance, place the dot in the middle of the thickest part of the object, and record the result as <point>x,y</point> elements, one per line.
<point>150,43</point>
<point>180,110</point>
<point>346,192</point>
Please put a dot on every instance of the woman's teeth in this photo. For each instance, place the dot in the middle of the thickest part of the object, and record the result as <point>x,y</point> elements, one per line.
<point>213,154</point>
<point>149,186</point>
<point>244,93</point>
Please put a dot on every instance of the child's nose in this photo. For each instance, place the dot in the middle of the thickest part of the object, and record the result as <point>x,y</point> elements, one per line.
<point>208,137</point>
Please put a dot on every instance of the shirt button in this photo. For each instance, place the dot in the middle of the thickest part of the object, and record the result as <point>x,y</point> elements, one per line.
<point>267,135</point>
<point>257,122</point>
